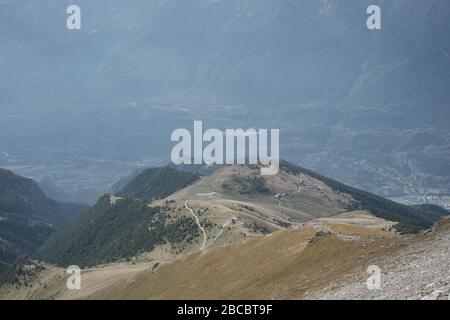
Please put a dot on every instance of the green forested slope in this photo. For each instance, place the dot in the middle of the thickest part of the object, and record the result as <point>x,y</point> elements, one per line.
<point>157,183</point>
<point>108,232</point>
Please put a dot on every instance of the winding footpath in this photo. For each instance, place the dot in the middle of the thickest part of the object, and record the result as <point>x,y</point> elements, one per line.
<point>301,177</point>
<point>220,232</point>
<point>198,224</point>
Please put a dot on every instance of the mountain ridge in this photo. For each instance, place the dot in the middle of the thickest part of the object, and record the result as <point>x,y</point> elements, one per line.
<point>157,183</point>
<point>232,204</point>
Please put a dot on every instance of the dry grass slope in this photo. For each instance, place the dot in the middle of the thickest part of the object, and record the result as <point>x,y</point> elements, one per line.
<point>288,264</point>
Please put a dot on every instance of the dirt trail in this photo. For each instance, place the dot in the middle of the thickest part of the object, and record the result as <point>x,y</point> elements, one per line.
<point>220,232</point>
<point>198,224</point>
<point>299,190</point>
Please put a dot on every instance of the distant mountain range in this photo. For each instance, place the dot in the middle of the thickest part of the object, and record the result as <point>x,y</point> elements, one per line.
<point>368,108</point>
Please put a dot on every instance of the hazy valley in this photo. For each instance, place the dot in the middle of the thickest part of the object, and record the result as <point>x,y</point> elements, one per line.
<point>88,180</point>
<point>368,109</point>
